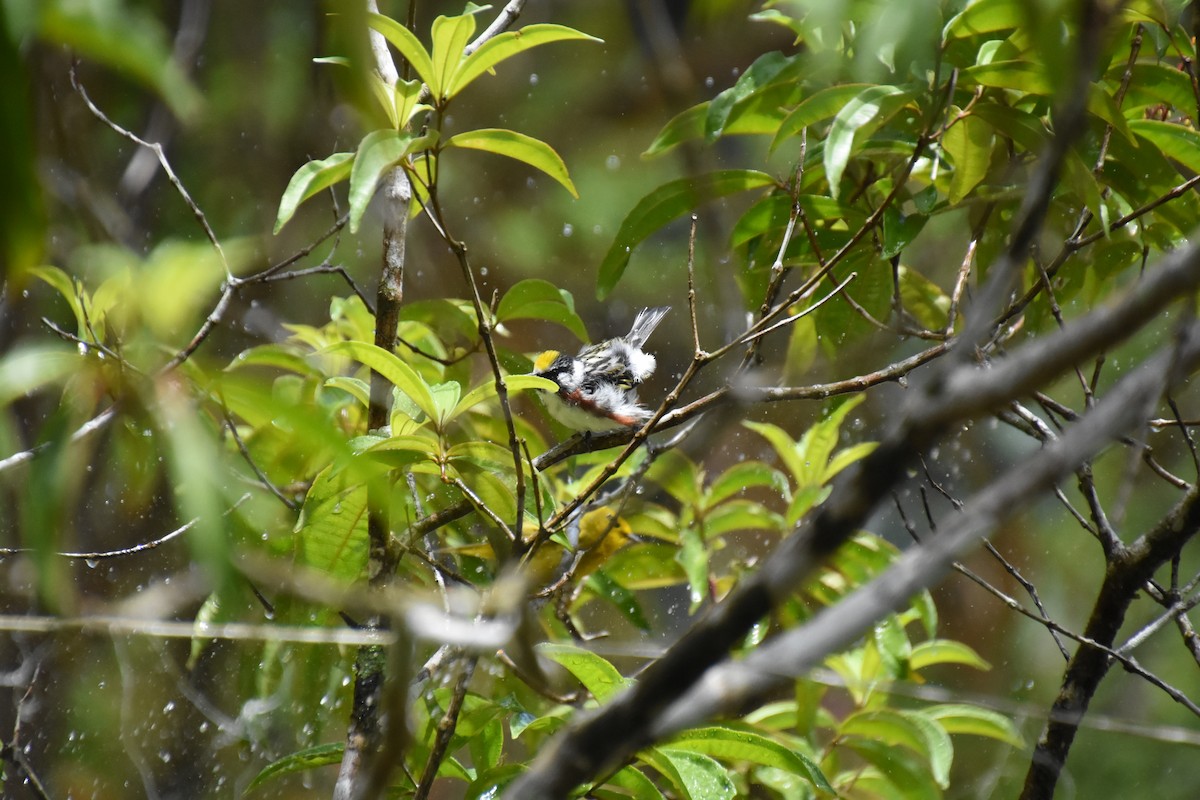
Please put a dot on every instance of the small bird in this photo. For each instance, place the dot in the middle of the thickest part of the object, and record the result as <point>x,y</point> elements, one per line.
<point>597,388</point>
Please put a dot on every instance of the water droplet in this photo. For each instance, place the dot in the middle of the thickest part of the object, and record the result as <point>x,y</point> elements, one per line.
<point>91,562</point>
<point>568,229</point>
<point>533,79</point>
<point>709,82</point>
<point>483,272</point>
<point>612,162</point>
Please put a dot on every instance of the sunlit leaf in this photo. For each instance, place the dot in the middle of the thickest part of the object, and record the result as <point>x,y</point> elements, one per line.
<point>945,651</point>
<point>735,743</point>
<point>907,772</point>
<point>378,152</point>
<point>407,43</point>
<point>598,676</point>
<point>449,40</point>
<point>517,146</point>
<point>664,204</point>
<point>700,775</point>
<point>534,298</point>
<point>1175,141</point>
<point>820,106</point>
<point>507,45</point>
<point>924,299</point>
<point>865,112</point>
<point>765,69</point>
<point>955,718</point>
<point>389,365</point>
<point>487,390</point>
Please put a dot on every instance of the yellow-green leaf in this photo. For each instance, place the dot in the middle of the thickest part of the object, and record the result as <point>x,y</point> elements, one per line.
<point>506,45</point>
<point>310,179</point>
<point>533,152</point>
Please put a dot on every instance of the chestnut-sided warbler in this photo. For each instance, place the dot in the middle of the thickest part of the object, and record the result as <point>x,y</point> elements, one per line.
<point>597,387</point>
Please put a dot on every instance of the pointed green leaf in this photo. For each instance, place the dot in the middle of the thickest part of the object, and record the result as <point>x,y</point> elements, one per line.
<point>378,152</point>
<point>310,758</point>
<point>822,105</point>
<point>598,676</point>
<point>533,152</point>
<point>968,143</point>
<point>924,299</point>
<point>684,126</point>
<point>310,179</point>
<point>508,44</point>
<point>976,721</point>
<point>664,204</point>
<point>69,288</point>
<point>406,42</point>
<point>534,298</point>
<point>761,73</point>
<point>700,776</point>
<point>389,365</point>
<point>27,368</point>
<point>450,38</point>
<point>601,584</point>
<point>735,743</point>
<point>331,533</point>
<point>857,120</point>
<point>487,390</point>
<point>945,651</point>
<point>1175,141</point>
<point>984,16</point>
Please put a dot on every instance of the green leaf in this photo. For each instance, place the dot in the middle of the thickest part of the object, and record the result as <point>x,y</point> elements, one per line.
<point>699,775</point>
<point>845,457</point>
<point>819,106</point>
<point>900,767</point>
<point>684,126</point>
<point>785,447</point>
<point>984,16</point>
<point>487,390</point>
<point>389,365</point>
<point>1175,141</point>
<point>310,179</point>
<point>449,40</point>
<point>70,289</point>
<point>331,532</point>
<point>634,784</point>
<point>533,152</point>
<point>945,651</point>
<point>407,43</point>
<point>279,356</point>
<point>402,449</point>
<point>693,557</point>
<point>378,152</point>
<point>857,120</point>
<point>664,204</point>
<point>601,584</point>
<point>921,735</point>
<point>899,230</point>
<point>742,476</point>
<point>968,142</point>
<point>534,298</point>
<point>924,299</point>
<point>320,756</point>
<point>598,676</point>
<point>735,743</point>
<point>508,44</point>
<point>765,69</point>
<point>976,721</point>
